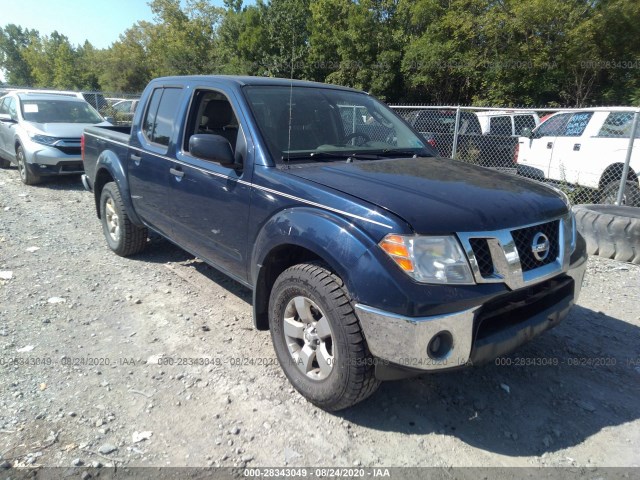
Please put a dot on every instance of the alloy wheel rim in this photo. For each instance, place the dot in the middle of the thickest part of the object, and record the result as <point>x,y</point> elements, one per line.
<point>22,168</point>
<point>309,338</point>
<point>113,221</point>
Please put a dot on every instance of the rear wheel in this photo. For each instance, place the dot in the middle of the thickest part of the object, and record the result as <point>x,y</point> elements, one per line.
<point>26,175</point>
<point>4,163</point>
<point>318,339</point>
<point>123,237</point>
<point>631,196</point>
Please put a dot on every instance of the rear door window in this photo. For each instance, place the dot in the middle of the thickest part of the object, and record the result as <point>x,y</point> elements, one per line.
<point>161,115</point>
<point>618,125</point>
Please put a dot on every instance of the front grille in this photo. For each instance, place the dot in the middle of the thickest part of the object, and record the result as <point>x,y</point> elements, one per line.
<point>524,237</point>
<point>70,150</point>
<point>482,253</point>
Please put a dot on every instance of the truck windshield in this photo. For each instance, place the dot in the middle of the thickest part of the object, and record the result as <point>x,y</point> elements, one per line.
<point>323,124</point>
<point>59,111</point>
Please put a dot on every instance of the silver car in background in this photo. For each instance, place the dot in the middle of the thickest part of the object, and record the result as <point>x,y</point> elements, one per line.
<point>41,133</point>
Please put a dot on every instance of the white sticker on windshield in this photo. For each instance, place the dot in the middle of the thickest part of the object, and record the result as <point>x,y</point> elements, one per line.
<point>30,108</point>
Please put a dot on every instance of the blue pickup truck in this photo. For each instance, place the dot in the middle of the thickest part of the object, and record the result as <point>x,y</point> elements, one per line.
<point>369,258</point>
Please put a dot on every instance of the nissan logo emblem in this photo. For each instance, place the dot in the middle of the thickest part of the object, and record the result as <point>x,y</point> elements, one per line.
<point>540,246</point>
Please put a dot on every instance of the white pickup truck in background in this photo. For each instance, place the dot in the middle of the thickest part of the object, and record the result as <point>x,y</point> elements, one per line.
<point>584,148</point>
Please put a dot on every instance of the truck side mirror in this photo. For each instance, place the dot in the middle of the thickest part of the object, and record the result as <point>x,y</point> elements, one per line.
<point>214,148</point>
<point>526,132</point>
<point>5,117</point>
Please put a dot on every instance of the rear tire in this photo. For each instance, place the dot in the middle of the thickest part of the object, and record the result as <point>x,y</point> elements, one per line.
<point>4,163</point>
<point>610,231</point>
<point>26,175</point>
<point>123,237</point>
<point>317,338</point>
<point>630,198</point>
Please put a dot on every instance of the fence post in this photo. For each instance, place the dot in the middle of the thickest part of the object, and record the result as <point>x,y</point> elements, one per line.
<point>625,170</point>
<point>454,148</point>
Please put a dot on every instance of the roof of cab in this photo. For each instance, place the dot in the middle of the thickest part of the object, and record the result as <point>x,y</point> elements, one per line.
<point>241,81</point>
<point>47,96</point>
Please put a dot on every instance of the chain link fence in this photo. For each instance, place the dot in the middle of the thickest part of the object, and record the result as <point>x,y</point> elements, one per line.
<point>587,153</point>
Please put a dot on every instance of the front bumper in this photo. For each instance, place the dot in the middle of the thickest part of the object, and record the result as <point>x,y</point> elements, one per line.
<point>479,334</point>
<point>48,160</point>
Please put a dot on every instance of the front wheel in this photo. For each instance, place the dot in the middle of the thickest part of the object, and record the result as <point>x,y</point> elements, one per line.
<point>26,175</point>
<point>123,237</point>
<point>318,339</point>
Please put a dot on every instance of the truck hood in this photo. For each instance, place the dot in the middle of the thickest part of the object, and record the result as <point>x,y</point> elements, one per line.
<point>61,130</point>
<point>439,196</point>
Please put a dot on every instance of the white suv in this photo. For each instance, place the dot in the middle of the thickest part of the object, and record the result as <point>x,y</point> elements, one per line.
<point>586,148</point>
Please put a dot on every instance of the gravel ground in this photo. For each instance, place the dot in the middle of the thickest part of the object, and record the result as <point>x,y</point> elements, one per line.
<point>152,361</point>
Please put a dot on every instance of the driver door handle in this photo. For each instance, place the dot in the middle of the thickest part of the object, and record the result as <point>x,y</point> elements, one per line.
<point>177,173</point>
<point>549,145</point>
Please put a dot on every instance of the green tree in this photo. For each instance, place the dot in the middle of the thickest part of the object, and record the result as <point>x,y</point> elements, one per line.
<point>125,66</point>
<point>358,44</point>
<point>13,41</point>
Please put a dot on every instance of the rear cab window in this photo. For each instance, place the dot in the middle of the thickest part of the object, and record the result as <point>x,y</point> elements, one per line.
<point>523,121</point>
<point>500,126</point>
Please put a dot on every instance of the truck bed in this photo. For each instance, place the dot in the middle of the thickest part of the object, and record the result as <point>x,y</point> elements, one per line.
<point>117,133</point>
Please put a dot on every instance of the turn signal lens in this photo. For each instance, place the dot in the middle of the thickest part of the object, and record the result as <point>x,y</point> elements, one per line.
<point>395,247</point>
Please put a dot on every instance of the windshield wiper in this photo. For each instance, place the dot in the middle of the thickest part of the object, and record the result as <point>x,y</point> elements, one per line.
<point>403,153</point>
<point>328,156</point>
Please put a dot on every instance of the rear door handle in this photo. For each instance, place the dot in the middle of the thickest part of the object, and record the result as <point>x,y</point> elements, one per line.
<point>177,173</point>
<point>576,147</point>
<point>136,158</point>
<point>549,145</point>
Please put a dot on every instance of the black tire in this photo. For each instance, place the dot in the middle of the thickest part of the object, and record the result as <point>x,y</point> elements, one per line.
<point>610,231</point>
<point>26,175</point>
<point>4,163</point>
<point>351,378</point>
<point>126,238</point>
<point>630,198</point>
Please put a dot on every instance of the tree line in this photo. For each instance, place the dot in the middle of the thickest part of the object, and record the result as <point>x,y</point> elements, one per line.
<point>482,52</point>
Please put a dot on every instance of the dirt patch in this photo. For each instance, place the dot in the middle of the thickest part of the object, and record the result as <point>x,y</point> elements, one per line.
<point>153,361</point>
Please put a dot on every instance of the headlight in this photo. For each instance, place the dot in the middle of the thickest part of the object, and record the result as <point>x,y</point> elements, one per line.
<point>43,139</point>
<point>429,259</point>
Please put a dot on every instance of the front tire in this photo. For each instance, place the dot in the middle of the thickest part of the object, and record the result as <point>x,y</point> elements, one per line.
<point>317,338</point>
<point>26,175</point>
<point>123,237</point>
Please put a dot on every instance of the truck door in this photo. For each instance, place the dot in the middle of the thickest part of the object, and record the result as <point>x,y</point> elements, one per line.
<point>148,163</point>
<point>535,152</point>
<point>210,202</point>
<point>570,150</point>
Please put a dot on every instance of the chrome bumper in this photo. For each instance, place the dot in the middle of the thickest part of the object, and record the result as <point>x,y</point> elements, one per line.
<point>403,341</point>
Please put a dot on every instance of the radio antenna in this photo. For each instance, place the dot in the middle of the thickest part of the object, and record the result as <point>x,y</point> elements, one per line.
<point>293,47</point>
